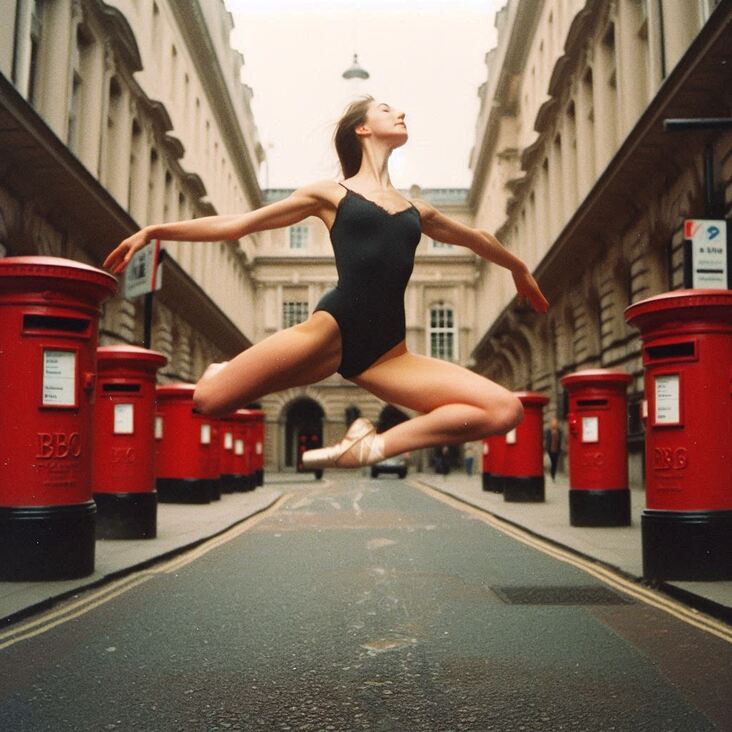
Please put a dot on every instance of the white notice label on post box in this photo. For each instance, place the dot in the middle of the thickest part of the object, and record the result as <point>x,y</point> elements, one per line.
<point>59,378</point>
<point>158,427</point>
<point>590,429</point>
<point>123,419</point>
<point>511,437</point>
<point>485,448</point>
<point>667,399</point>
<point>205,434</point>
<point>259,448</point>
<point>228,440</point>
<point>239,447</point>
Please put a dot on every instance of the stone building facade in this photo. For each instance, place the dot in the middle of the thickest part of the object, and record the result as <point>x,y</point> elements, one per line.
<point>574,172</point>
<point>121,114</point>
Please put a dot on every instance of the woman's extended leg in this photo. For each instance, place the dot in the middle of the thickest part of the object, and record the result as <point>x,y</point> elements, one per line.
<point>458,405</point>
<point>296,356</point>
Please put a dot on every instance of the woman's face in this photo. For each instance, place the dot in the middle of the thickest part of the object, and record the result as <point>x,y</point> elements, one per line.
<point>386,122</point>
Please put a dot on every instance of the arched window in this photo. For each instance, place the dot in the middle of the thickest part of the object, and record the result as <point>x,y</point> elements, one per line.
<point>442,333</point>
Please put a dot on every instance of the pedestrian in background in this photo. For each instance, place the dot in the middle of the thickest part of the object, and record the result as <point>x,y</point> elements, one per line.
<point>469,459</point>
<point>553,444</point>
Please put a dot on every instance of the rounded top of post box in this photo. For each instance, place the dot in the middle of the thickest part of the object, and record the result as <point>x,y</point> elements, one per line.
<point>120,354</point>
<point>61,271</point>
<point>531,397</point>
<point>595,376</point>
<point>684,304</point>
<point>181,389</point>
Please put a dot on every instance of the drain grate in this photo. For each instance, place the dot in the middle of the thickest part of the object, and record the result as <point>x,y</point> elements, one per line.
<point>557,595</point>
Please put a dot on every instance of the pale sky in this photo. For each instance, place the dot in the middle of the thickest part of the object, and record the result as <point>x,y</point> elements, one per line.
<point>425,57</point>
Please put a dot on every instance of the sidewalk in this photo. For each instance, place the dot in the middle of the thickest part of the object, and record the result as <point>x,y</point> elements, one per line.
<point>617,547</point>
<point>180,527</point>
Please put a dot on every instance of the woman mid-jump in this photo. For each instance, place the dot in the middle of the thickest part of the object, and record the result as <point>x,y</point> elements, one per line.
<point>358,328</point>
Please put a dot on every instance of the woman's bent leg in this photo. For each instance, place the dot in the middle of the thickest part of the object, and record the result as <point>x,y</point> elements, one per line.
<point>458,405</point>
<point>296,356</point>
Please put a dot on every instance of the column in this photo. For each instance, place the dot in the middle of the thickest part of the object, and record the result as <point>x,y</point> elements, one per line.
<point>569,162</point>
<point>632,64</point>
<point>584,120</point>
<point>55,65</point>
<point>680,26</point>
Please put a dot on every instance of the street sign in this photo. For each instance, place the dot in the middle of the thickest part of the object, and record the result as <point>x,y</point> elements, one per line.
<point>706,254</point>
<point>143,270</point>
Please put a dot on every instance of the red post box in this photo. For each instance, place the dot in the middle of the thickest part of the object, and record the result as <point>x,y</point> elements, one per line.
<point>598,451</point>
<point>123,469</point>
<point>523,462</point>
<point>186,464</point>
<point>687,356</point>
<point>493,459</point>
<point>486,463</point>
<point>258,447</point>
<point>243,451</point>
<point>49,317</point>
<point>228,476</point>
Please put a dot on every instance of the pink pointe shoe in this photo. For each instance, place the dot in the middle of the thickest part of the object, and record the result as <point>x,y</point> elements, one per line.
<point>369,448</point>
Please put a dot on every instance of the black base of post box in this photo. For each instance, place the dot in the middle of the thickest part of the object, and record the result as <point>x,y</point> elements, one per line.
<point>127,515</point>
<point>47,542</point>
<point>215,488</point>
<point>246,482</point>
<point>252,482</point>
<point>687,545</point>
<point>184,490</point>
<point>520,489</point>
<point>260,477</point>
<point>228,482</point>
<point>243,483</point>
<point>599,507</point>
<point>493,482</point>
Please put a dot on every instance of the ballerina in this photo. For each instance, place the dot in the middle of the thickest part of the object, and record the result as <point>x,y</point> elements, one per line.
<point>358,328</point>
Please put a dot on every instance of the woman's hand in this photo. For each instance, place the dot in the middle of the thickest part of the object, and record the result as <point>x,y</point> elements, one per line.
<point>528,290</point>
<point>119,258</point>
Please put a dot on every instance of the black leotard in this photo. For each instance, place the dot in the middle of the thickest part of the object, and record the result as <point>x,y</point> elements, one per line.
<point>374,253</point>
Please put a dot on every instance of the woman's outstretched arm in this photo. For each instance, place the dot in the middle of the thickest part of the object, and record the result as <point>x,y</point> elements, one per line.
<point>485,245</point>
<point>301,203</point>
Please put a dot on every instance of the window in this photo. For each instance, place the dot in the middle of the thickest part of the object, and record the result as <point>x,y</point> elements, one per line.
<point>434,244</point>
<point>299,236</point>
<point>442,333</point>
<point>294,313</point>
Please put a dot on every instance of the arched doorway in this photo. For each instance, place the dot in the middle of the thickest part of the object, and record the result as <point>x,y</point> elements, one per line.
<point>304,419</point>
<point>390,417</point>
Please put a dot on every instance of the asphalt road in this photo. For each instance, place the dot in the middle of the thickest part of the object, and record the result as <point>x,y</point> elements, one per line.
<point>364,604</point>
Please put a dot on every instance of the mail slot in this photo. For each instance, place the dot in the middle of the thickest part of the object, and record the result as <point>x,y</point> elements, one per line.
<point>523,460</point>
<point>49,316</point>
<point>687,357</point>
<point>598,452</point>
<point>123,475</point>
<point>186,467</point>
